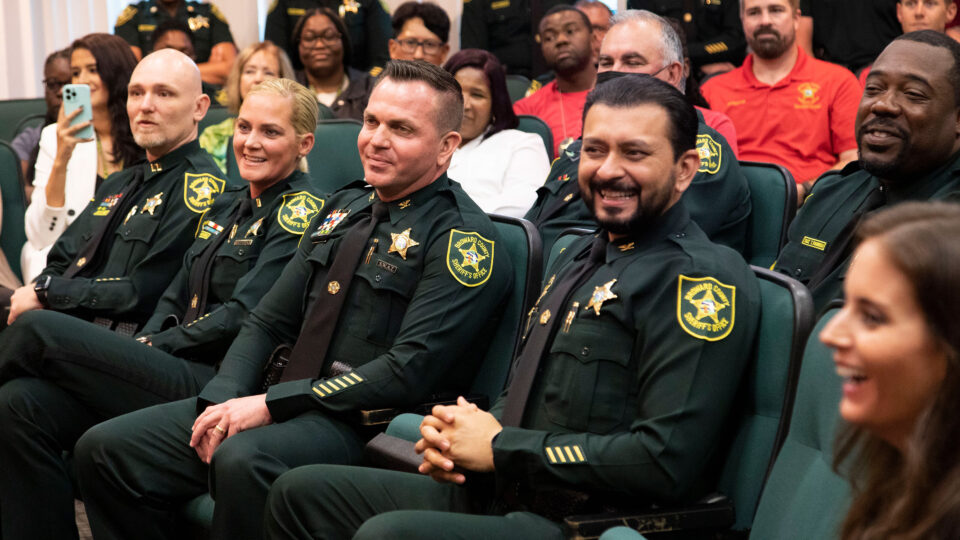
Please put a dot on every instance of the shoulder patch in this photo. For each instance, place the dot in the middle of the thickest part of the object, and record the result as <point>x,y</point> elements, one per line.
<point>534,86</point>
<point>711,154</point>
<point>706,308</point>
<point>297,210</point>
<point>215,11</point>
<point>470,258</point>
<point>199,190</point>
<point>128,13</point>
<point>273,6</point>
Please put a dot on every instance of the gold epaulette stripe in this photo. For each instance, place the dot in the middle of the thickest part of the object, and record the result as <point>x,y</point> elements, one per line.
<point>714,48</point>
<point>565,454</point>
<point>332,386</point>
<point>109,279</point>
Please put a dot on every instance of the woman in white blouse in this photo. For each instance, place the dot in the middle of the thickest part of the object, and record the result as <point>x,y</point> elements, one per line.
<point>68,167</point>
<point>497,165</point>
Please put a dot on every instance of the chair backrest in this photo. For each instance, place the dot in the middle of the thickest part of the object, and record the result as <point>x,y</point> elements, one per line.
<point>803,497</point>
<point>215,115</point>
<point>325,113</point>
<point>34,120</point>
<point>532,124</point>
<point>767,389</point>
<point>517,86</point>
<point>12,111</point>
<point>12,232</point>
<point>773,193</point>
<point>334,160</point>
<point>233,170</point>
<point>522,243</point>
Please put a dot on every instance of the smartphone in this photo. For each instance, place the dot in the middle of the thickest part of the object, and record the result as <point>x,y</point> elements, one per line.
<point>75,96</point>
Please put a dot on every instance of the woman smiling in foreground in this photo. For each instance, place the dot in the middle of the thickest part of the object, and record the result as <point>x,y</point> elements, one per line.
<point>896,345</point>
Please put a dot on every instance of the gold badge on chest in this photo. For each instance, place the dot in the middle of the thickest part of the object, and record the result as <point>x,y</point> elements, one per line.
<point>600,295</point>
<point>400,243</point>
<point>152,203</point>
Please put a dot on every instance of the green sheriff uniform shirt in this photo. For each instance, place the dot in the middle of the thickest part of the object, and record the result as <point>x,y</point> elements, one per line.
<point>504,28</point>
<point>243,269</point>
<point>713,27</point>
<point>634,391</point>
<point>718,199</point>
<point>417,318</point>
<point>137,22</point>
<point>368,24</point>
<point>144,252</point>
<point>835,198</point>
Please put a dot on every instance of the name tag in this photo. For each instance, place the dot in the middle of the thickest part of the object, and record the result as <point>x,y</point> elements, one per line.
<point>814,243</point>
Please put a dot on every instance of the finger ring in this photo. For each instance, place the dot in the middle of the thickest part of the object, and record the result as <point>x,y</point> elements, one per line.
<point>220,429</point>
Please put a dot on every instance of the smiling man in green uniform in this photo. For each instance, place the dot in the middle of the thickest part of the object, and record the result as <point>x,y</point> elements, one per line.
<point>113,263</point>
<point>908,135</point>
<point>210,31</point>
<point>61,375</point>
<point>630,364</point>
<point>366,21</point>
<point>718,199</point>
<point>388,302</point>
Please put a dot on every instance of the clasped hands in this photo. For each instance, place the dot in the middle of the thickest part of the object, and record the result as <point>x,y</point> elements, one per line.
<point>218,422</point>
<point>457,436</point>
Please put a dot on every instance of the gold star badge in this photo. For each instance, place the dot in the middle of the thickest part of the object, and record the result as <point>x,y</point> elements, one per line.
<point>254,229</point>
<point>401,243</point>
<point>472,257</point>
<point>708,306</point>
<point>152,204</point>
<point>601,295</point>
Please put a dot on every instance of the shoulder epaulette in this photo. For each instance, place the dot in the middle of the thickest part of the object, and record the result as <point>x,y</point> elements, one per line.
<point>128,13</point>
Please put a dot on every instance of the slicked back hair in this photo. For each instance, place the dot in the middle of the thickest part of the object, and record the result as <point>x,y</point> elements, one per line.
<point>635,89</point>
<point>449,112</point>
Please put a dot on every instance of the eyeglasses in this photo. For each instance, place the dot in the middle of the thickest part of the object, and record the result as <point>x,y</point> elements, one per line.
<point>54,85</point>
<point>410,45</point>
<point>329,38</point>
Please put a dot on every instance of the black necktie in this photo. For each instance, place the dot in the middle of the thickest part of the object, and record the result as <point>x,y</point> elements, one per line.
<point>199,282</point>
<point>840,249</point>
<point>309,351</point>
<point>88,255</point>
<point>525,368</point>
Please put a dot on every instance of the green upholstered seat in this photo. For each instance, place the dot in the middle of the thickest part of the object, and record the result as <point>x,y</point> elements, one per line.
<point>532,124</point>
<point>803,497</point>
<point>773,194</point>
<point>215,115</point>
<point>12,111</point>
<point>334,160</point>
<point>12,232</point>
<point>517,86</point>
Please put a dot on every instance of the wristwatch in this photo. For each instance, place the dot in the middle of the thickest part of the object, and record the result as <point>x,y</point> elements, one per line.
<point>41,286</point>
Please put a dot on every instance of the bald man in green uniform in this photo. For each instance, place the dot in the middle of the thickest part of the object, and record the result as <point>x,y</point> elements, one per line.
<point>388,302</point>
<point>210,31</point>
<point>631,360</point>
<point>366,20</point>
<point>113,263</point>
<point>909,150</point>
<point>718,199</point>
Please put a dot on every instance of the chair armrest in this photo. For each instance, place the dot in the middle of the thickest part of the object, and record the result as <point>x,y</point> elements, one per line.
<point>716,513</point>
<point>389,452</point>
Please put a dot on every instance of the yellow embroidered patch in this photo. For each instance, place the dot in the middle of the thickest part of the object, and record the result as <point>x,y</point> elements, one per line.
<point>470,257</point>
<point>297,210</point>
<point>500,4</point>
<point>706,308</point>
<point>814,243</point>
<point>711,154</point>
<point>565,455</point>
<point>128,13</point>
<point>199,190</point>
<point>328,387</point>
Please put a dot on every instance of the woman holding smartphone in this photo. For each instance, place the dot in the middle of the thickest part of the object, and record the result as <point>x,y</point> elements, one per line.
<point>69,168</point>
<point>897,348</point>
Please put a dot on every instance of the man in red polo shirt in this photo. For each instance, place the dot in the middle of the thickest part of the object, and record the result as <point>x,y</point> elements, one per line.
<point>788,108</point>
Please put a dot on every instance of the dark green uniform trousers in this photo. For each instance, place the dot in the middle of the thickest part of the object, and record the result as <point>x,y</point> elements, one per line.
<point>60,375</point>
<point>136,470</point>
<point>337,502</point>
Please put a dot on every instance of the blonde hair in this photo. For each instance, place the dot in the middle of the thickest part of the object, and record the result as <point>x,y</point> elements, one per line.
<point>233,79</point>
<point>304,109</point>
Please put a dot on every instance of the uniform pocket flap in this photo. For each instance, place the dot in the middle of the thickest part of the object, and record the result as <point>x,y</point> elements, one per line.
<point>589,340</point>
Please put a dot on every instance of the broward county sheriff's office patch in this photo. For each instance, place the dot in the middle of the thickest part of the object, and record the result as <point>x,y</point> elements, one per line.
<point>470,257</point>
<point>199,190</point>
<point>297,210</point>
<point>706,308</point>
<point>711,155</point>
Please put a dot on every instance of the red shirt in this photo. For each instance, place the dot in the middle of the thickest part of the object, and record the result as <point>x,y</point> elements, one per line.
<point>564,121</point>
<point>802,122</point>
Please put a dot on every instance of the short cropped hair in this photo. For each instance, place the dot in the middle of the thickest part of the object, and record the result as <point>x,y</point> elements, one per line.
<point>794,5</point>
<point>501,109</point>
<point>671,48</point>
<point>592,3</point>
<point>304,108</point>
<point>232,87</point>
<point>337,23</point>
<point>171,25</point>
<point>560,8</point>
<point>449,96</point>
<point>937,39</point>
<point>635,89</point>
<point>432,15</point>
